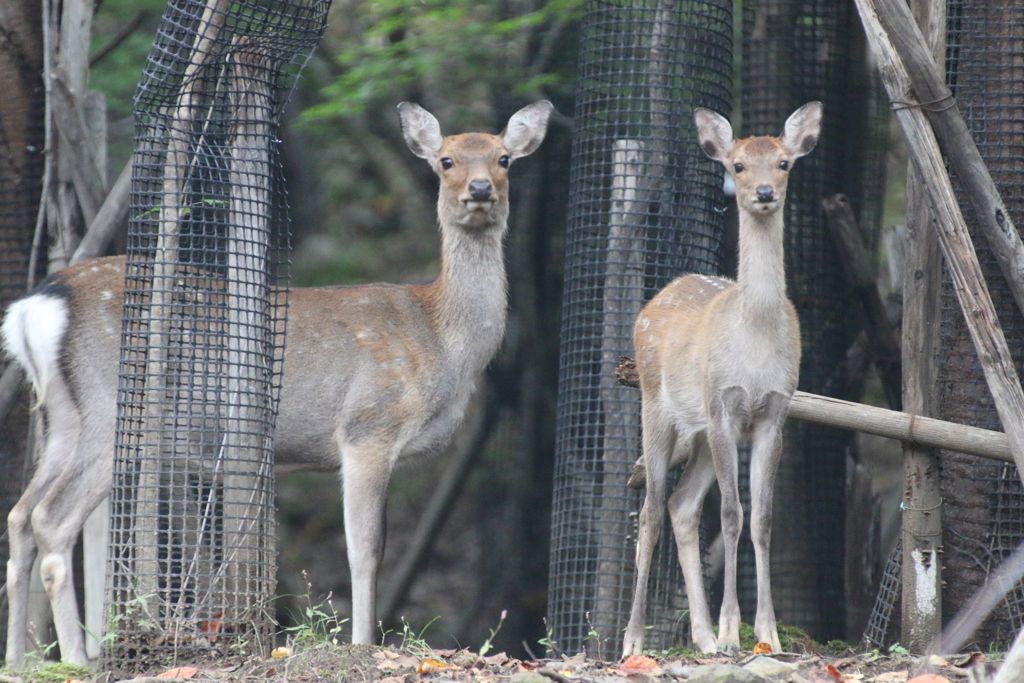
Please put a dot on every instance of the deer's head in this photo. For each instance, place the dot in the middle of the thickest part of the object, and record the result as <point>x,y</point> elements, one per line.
<point>759,165</point>
<point>473,167</point>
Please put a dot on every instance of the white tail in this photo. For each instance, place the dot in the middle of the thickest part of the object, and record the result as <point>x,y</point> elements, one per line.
<point>373,374</point>
<point>719,360</point>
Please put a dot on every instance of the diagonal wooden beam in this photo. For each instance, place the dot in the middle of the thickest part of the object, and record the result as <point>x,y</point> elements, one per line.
<point>955,241</point>
<point>928,85</point>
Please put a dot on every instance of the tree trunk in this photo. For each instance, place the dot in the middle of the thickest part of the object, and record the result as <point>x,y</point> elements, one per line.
<point>21,148</point>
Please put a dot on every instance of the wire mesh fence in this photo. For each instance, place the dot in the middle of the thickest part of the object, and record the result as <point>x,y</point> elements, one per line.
<point>645,206</point>
<point>636,222</point>
<point>983,502</point>
<point>192,564</point>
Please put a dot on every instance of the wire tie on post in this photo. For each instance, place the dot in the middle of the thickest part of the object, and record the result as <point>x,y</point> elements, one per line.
<point>903,506</point>
<point>897,105</point>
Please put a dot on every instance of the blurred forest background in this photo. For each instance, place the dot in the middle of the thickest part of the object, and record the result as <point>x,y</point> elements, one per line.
<point>362,210</point>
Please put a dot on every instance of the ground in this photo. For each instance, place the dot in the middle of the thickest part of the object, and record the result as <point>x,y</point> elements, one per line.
<point>416,663</point>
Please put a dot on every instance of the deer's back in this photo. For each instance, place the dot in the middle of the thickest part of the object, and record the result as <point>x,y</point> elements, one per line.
<point>360,362</point>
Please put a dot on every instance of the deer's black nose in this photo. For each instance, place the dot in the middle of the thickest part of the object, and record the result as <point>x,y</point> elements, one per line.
<point>765,193</point>
<point>480,190</point>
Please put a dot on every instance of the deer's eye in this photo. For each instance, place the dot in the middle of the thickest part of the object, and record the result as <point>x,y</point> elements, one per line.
<point>738,168</point>
<point>504,160</point>
<point>784,165</point>
<point>446,163</point>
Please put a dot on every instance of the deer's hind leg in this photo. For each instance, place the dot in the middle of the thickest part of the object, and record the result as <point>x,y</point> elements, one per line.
<point>659,441</point>
<point>71,478</point>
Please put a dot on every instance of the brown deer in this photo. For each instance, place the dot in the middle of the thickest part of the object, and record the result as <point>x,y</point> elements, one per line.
<point>719,360</point>
<point>373,374</point>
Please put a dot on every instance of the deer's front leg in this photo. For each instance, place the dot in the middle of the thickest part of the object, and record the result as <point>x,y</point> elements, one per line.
<point>766,451</point>
<point>658,443</point>
<point>365,471</point>
<point>684,507</point>
<point>727,413</point>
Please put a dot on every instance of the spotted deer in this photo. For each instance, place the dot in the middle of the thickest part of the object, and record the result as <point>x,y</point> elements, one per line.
<point>373,374</point>
<point>718,360</point>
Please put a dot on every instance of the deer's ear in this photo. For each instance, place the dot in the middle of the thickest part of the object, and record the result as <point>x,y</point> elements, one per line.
<point>714,133</point>
<point>421,131</point>
<point>526,129</point>
<point>802,129</point>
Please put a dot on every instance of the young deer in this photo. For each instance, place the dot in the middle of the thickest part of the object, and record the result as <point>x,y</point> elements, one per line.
<point>719,360</point>
<point>373,374</point>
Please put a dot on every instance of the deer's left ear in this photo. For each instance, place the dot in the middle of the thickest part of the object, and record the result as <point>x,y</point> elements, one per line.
<point>526,129</point>
<point>802,129</point>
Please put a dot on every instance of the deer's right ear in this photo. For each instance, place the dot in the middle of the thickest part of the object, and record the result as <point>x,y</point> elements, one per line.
<point>714,133</point>
<point>421,131</point>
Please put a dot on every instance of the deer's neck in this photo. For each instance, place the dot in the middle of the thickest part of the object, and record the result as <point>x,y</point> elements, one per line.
<point>470,295</point>
<point>761,273</point>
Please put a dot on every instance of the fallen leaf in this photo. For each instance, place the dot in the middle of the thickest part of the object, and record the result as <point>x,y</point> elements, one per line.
<point>892,677</point>
<point>212,627</point>
<point>928,678</point>
<point>179,672</point>
<point>834,673</point>
<point>762,649</point>
<point>431,666</point>
<point>579,659</point>
<point>499,659</point>
<point>968,660</point>
<point>280,652</point>
<point>445,653</point>
<point>638,664</point>
<point>935,660</point>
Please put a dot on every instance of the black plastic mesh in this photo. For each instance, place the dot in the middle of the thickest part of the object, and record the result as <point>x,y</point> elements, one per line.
<point>796,51</point>
<point>983,515</point>
<point>645,206</point>
<point>192,528</point>
<point>882,629</point>
<point>983,512</point>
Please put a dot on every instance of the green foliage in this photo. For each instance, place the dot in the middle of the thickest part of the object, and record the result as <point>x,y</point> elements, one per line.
<point>117,74</point>
<point>486,647</point>
<point>461,42</point>
<point>57,672</point>
<point>318,623</point>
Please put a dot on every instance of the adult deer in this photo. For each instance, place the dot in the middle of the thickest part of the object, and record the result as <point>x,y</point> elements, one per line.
<point>719,360</point>
<point>373,374</point>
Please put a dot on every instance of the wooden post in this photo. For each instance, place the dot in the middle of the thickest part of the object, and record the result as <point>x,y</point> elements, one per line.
<point>623,298</point>
<point>922,500</point>
<point>954,239</point>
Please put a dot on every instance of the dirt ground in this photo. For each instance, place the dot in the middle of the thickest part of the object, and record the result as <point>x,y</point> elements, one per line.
<point>416,663</point>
